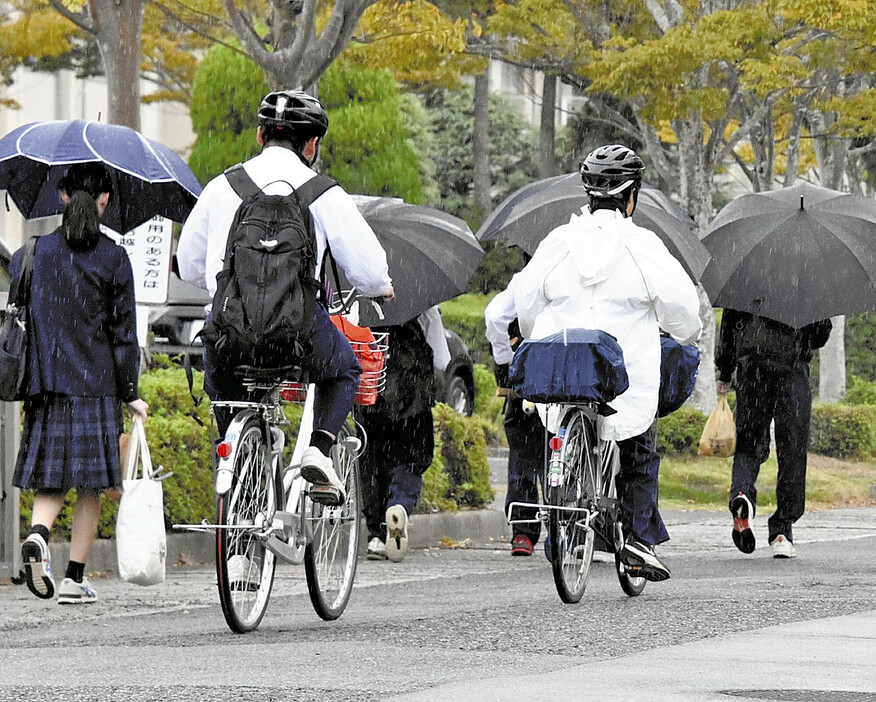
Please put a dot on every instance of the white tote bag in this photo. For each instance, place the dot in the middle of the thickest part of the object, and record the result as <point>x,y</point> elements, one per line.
<point>141,543</point>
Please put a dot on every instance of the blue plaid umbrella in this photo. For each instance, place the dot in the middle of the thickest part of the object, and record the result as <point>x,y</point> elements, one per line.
<point>148,177</point>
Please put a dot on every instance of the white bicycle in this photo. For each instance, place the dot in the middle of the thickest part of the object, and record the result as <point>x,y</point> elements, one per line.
<point>264,509</point>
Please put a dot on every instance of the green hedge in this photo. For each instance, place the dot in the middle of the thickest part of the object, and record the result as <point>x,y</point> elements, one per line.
<point>860,391</point>
<point>465,316</point>
<point>459,475</point>
<point>680,431</point>
<point>843,431</point>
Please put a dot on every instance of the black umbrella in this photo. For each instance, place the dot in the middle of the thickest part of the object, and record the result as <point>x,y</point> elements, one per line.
<point>796,255</point>
<point>148,177</point>
<point>431,256</point>
<point>526,216</point>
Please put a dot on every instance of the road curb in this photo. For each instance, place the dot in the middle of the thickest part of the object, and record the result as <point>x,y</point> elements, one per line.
<point>425,531</point>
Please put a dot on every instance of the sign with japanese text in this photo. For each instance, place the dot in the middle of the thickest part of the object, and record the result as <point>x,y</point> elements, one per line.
<point>149,248</point>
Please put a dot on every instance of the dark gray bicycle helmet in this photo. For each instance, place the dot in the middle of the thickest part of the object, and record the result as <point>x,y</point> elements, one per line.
<point>294,110</point>
<point>611,169</point>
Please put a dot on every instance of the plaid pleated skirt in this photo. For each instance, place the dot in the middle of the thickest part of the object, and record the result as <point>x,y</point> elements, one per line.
<point>69,442</point>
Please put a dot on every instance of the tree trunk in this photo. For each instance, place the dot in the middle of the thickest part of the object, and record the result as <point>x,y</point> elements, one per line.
<point>547,160</point>
<point>832,385</point>
<point>832,155</point>
<point>481,146</point>
<point>695,175</point>
<point>118,26</point>
<point>704,395</point>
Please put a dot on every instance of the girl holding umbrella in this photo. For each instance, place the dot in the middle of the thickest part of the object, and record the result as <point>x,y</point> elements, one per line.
<point>83,363</point>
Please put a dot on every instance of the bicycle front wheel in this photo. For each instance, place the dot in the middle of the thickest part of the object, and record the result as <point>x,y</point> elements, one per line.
<point>244,567</point>
<point>575,500</point>
<point>330,559</point>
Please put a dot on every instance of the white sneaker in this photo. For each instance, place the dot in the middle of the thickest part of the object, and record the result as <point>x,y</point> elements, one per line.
<point>242,574</point>
<point>376,550</point>
<point>396,533</point>
<point>782,547</point>
<point>37,562</point>
<point>318,469</point>
<point>72,592</point>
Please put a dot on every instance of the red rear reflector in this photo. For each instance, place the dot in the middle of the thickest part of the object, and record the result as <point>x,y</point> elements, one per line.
<point>556,443</point>
<point>223,450</point>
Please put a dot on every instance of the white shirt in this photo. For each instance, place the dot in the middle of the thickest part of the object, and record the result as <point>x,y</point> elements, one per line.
<point>336,220</point>
<point>601,271</point>
<point>433,329</point>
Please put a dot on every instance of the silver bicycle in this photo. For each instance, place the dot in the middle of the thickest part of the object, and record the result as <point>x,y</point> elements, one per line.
<point>581,503</point>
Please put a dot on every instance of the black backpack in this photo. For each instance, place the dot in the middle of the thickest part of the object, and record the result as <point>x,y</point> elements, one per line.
<point>266,291</point>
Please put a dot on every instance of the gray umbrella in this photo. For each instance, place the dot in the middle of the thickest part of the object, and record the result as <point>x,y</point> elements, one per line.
<point>526,217</point>
<point>431,256</point>
<point>796,255</point>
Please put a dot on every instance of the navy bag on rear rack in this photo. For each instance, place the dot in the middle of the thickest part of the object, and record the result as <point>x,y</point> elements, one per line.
<point>572,365</point>
<point>678,374</point>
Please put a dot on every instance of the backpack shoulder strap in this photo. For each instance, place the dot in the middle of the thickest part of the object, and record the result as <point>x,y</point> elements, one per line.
<point>314,188</point>
<point>241,182</point>
<point>19,289</point>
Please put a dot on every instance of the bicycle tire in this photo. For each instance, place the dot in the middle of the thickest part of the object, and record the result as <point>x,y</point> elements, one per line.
<point>250,501</point>
<point>632,586</point>
<point>330,559</point>
<point>572,541</point>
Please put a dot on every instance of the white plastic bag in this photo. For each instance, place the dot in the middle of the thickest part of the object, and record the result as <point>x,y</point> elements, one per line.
<point>141,543</point>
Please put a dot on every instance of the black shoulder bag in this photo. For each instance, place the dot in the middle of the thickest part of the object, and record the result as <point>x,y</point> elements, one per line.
<point>13,331</point>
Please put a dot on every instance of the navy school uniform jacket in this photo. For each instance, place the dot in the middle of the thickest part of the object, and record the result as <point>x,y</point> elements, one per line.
<point>82,327</point>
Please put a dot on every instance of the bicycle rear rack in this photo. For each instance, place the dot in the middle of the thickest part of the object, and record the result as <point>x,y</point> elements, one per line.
<point>543,512</point>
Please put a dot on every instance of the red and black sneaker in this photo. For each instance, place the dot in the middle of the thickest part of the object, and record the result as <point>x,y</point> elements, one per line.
<point>521,545</point>
<point>743,518</point>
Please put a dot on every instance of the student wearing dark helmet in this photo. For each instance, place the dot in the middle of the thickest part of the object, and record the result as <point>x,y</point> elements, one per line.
<point>601,271</point>
<point>291,125</point>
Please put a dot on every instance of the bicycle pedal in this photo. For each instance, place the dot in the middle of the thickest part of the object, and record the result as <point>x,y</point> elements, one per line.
<point>325,495</point>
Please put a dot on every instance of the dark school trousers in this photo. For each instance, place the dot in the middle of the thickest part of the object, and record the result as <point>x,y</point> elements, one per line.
<point>397,453</point>
<point>637,487</point>
<point>766,393</point>
<point>526,455</point>
<point>330,364</point>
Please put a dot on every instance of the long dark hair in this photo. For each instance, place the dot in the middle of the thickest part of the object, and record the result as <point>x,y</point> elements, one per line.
<point>83,183</point>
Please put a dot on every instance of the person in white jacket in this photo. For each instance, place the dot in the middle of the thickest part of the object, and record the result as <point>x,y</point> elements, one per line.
<point>601,271</point>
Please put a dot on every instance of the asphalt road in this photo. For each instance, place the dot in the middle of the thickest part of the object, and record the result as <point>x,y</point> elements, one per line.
<point>476,624</point>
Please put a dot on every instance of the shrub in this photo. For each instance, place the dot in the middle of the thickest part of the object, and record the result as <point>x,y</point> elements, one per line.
<point>680,431</point>
<point>843,431</point>
<point>464,456</point>
<point>226,92</point>
<point>860,391</point>
<point>369,147</point>
<point>465,315</point>
<point>489,409</point>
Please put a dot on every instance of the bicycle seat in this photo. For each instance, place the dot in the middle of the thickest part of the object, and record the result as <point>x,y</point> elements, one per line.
<point>259,374</point>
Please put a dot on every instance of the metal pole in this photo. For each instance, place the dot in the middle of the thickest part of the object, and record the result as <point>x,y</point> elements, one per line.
<point>9,556</point>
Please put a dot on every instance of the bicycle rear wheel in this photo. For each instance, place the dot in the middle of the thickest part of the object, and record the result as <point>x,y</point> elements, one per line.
<point>330,559</point>
<point>244,567</point>
<point>572,537</point>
